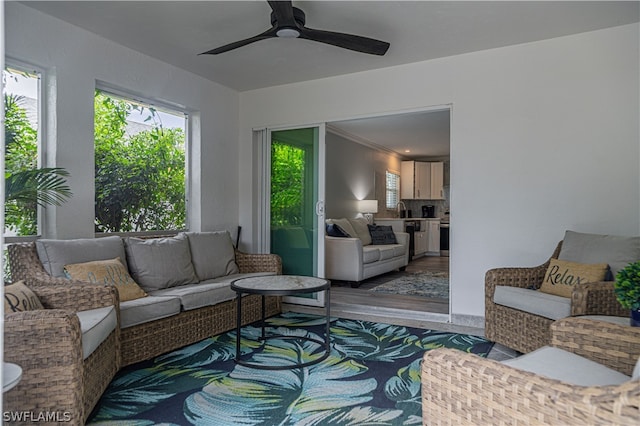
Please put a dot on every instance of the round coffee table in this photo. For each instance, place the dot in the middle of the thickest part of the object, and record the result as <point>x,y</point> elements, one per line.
<point>280,285</point>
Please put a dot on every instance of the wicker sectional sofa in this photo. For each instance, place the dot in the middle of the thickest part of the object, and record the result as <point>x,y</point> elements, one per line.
<point>169,317</point>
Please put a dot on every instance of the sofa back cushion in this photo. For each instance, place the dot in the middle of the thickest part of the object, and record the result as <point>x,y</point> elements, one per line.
<point>212,254</point>
<point>159,263</point>
<point>345,225</point>
<point>361,226</point>
<point>617,251</point>
<point>54,254</point>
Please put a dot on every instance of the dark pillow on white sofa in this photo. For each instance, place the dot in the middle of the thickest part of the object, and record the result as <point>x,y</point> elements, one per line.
<point>333,230</point>
<point>381,234</point>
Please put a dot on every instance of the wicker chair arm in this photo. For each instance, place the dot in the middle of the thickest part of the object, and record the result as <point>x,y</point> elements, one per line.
<point>464,389</point>
<point>74,295</point>
<point>616,346</point>
<point>248,263</point>
<point>517,277</point>
<point>596,299</point>
<point>47,345</point>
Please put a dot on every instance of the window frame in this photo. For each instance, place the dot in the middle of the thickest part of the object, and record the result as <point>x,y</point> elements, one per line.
<point>41,113</point>
<point>395,190</point>
<point>173,108</point>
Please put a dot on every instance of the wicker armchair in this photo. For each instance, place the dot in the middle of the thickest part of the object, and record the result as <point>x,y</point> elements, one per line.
<point>56,380</point>
<point>460,388</point>
<point>526,332</point>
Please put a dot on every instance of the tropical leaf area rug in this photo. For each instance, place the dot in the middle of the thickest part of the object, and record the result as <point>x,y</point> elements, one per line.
<point>371,377</point>
<point>434,285</point>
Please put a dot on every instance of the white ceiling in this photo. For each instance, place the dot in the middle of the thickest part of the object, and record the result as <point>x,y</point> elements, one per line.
<point>177,31</point>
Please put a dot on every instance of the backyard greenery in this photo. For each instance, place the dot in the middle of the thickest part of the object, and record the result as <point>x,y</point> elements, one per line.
<point>140,177</point>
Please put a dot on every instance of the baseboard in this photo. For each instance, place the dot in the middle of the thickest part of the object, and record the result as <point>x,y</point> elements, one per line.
<point>467,320</point>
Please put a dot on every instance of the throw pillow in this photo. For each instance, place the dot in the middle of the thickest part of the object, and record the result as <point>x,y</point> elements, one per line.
<point>345,225</point>
<point>334,230</point>
<point>617,251</point>
<point>381,234</point>
<point>159,263</point>
<point>562,276</point>
<point>108,272</point>
<point>361,226</point>
<point>212,254</point>
<point>19,298</point>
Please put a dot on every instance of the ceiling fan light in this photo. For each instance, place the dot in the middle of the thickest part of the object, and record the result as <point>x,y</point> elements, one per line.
<point>288,33</point>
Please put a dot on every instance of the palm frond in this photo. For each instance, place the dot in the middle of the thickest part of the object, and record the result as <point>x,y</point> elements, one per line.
<point>45,186</point>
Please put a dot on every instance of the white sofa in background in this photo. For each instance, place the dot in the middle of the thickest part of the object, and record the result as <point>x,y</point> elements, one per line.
<point>355,258</point>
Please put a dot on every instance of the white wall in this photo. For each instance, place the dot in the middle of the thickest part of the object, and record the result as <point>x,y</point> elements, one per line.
<point>74,60</point>
<point>354,172</point>
<point>544,138</point>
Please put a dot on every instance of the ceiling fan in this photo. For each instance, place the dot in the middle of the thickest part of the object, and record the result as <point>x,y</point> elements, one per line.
<point>288,22</point>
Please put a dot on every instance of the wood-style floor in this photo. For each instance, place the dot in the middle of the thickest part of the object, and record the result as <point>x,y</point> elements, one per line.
<point>343,294</point>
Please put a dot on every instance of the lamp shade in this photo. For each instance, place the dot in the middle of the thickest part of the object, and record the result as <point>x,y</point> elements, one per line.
<point>368,206</point>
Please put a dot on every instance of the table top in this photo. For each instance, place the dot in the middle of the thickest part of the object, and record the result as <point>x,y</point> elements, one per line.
<point>280,285</point>
<point>11,375</point>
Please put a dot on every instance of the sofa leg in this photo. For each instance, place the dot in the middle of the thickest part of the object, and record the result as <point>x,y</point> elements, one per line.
<point>355,284</point>
<point>402,268</point>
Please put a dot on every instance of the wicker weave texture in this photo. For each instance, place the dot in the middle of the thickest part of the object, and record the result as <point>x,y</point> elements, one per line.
<point>526,332</point>
<point>463,389</point>
<point>47,345</point>
<point>616,346</point>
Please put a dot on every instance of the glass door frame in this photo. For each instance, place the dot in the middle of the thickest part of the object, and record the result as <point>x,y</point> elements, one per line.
<point>262,137</point>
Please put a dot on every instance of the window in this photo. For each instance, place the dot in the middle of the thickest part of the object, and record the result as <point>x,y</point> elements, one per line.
<point>22,149</point>
<point>140,165</point>
<point>392,189</point>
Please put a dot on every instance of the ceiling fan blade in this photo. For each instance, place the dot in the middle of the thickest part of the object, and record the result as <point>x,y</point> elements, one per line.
<point>346,41</point>
<point>271,32</point>
<point>283,11</point>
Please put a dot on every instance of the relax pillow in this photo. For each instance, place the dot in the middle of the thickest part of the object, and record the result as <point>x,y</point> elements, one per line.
<point>19,298</point>
<point>54,254</point>
<point>381,234</point>
<point>618,252</point>
<point>109,272</point>
<point>361,226</point>
<point>159,263</point>
<point>212,254</point>
<point>562,276</point>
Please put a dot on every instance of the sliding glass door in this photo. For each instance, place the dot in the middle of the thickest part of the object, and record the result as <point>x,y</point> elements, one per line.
<point>294,203</point>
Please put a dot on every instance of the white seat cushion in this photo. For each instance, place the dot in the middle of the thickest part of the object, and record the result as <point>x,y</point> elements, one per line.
<point>145,309</point>
<point>370,254</point>
<point>386,252</point>
<point>568,367</point>
<point>533,301</point>
<point>206,293</point>
<point>96,325</point>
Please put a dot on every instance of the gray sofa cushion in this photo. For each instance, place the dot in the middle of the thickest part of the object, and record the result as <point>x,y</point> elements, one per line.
<point>361,226</point>
<point>96,325</point>
<point>533,301</point>
<point>205,293</point>
<point>559,364</point>
<point>212,254</point>
<point>370,254</point>
<point>159,263</point>
<point>54,254</point>
<point>617,251</point>
<point>146,309</point>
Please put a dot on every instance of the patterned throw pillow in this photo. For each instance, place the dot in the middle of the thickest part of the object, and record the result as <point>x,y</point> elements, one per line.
<point>334,230</point>
<point>18,298</point>
<point>109,272</point>
<point>382,234</point>
<point>563,275</point>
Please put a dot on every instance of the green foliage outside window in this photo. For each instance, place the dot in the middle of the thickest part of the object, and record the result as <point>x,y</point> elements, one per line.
<point>139,178</point>
<point>287,184</point>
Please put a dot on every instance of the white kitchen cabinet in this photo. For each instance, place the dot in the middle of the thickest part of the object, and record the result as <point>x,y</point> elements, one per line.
<point>420,243</point>
<point>433,239</point>
<point>421,180</point>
